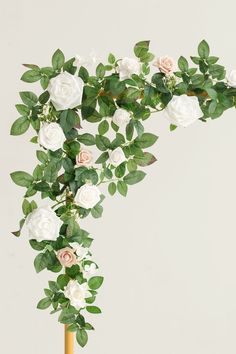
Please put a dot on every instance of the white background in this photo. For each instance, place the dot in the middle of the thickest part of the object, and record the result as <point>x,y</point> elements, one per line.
<point>167,251</point>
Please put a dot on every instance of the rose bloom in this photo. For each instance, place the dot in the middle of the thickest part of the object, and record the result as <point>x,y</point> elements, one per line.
<point>43,224</point>
<point>67,257</point>
<point>81,252</point>
<point>231,78</point>
<point>84,158</point>
<point>166,65</point>
<point>87,196</point>
<point>183,110</point>
<point>65,91</point>
<point>51,136</point>
<point>127,67</point>
<point>77,293</point>
<point>121,117</point>
<point>116,157</point>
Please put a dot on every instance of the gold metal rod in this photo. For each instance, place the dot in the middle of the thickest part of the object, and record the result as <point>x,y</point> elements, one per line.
<point>69,341</point>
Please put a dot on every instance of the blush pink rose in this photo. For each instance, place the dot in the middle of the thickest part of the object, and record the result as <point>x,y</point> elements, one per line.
<point>84,158</point>
<point>67,257</point>
<point>166,65</point>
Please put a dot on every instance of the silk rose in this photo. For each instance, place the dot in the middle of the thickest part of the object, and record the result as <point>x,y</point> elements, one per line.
<point>77,293</point>
<point>87,196</point>
<point>183,110</point>
<point>166,65</point>
<point>116,157</point>
<point>84,158</point>
<point>127,67</point>
<point>121,117</point>
<point>65,91</point>
<point>43,224</point>
<point>231,78</point>
<point>67,257</point>
<point>51,136</point>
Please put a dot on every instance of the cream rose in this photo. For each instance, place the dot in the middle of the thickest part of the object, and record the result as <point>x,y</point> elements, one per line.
<point>89,270</point>
<point>116,157</point>
<point>127,67</point>
<point>51,136</point>
<point>84,158</point>
<point>81,252</point>
<point>231,78</point>
<point>43,224</point>
<point>67,257</point>
<point>121,117</point>
<point>183,110</point>
<point>77,293</point>
<point>87,196</point>
<point>166,65</point>
<point>65,91</point>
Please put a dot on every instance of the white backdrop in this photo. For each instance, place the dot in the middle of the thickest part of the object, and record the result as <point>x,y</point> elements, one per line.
<point>167,251</point>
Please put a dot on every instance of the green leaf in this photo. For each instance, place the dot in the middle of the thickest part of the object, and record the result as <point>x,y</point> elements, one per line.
<point>97,211</point>
<point>100,71</point>
<point>103,127</point>
<point>29,98</point>
<point>212,93</point>
<point>22,109</point>
<point>111,58</point>
<point>141,48</point>
<point>203,49</point>
<point>44,303</point>
<point>134,177</point>
<point>81,337</point>
<point>102,142</point>
<point>146,140</point>
<point>112,188</point>
<point>95,283</point>
<point>183,64</point>
<point>145,160</point>
<point>68,119</point>
<point>63,280</point>
<point>172,127</point>
<point>131,165</point>
<point>86,139</point>
<point>130,130</point>
<point>42,156</point>
<point>38,246</point>
<point>93,309</point>
<point>39,262</point>
<point>26,207</point>
<point>20,126</point>
<point>22,178</point>
<point>58,59</point>
<point>83,74</point>
<point>122,188</point>
<point>102,158</point>
<point>31,76</point>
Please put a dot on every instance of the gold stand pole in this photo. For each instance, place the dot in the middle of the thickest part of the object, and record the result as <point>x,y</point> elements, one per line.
<point>69,341</point>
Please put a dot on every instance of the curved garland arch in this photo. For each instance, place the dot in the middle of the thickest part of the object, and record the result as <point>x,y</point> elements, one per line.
<point>118,98</point>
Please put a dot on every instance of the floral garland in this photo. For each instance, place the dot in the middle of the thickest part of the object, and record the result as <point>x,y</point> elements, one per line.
<point>119,98</point>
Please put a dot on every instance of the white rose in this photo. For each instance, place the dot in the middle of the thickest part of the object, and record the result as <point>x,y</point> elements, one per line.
<point>65,91</point>
<point>43,224</point>
<point>127,67</point>
<point>231,78</point>
<point>183,110</point>
<point>121,117</point>
<point>77,293</point>
<point>87,196</point>
<point>81,251</point>
<point>116,157</point>
<point>51,136</point>
<point>86,61</point>
<point>89,270</point>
